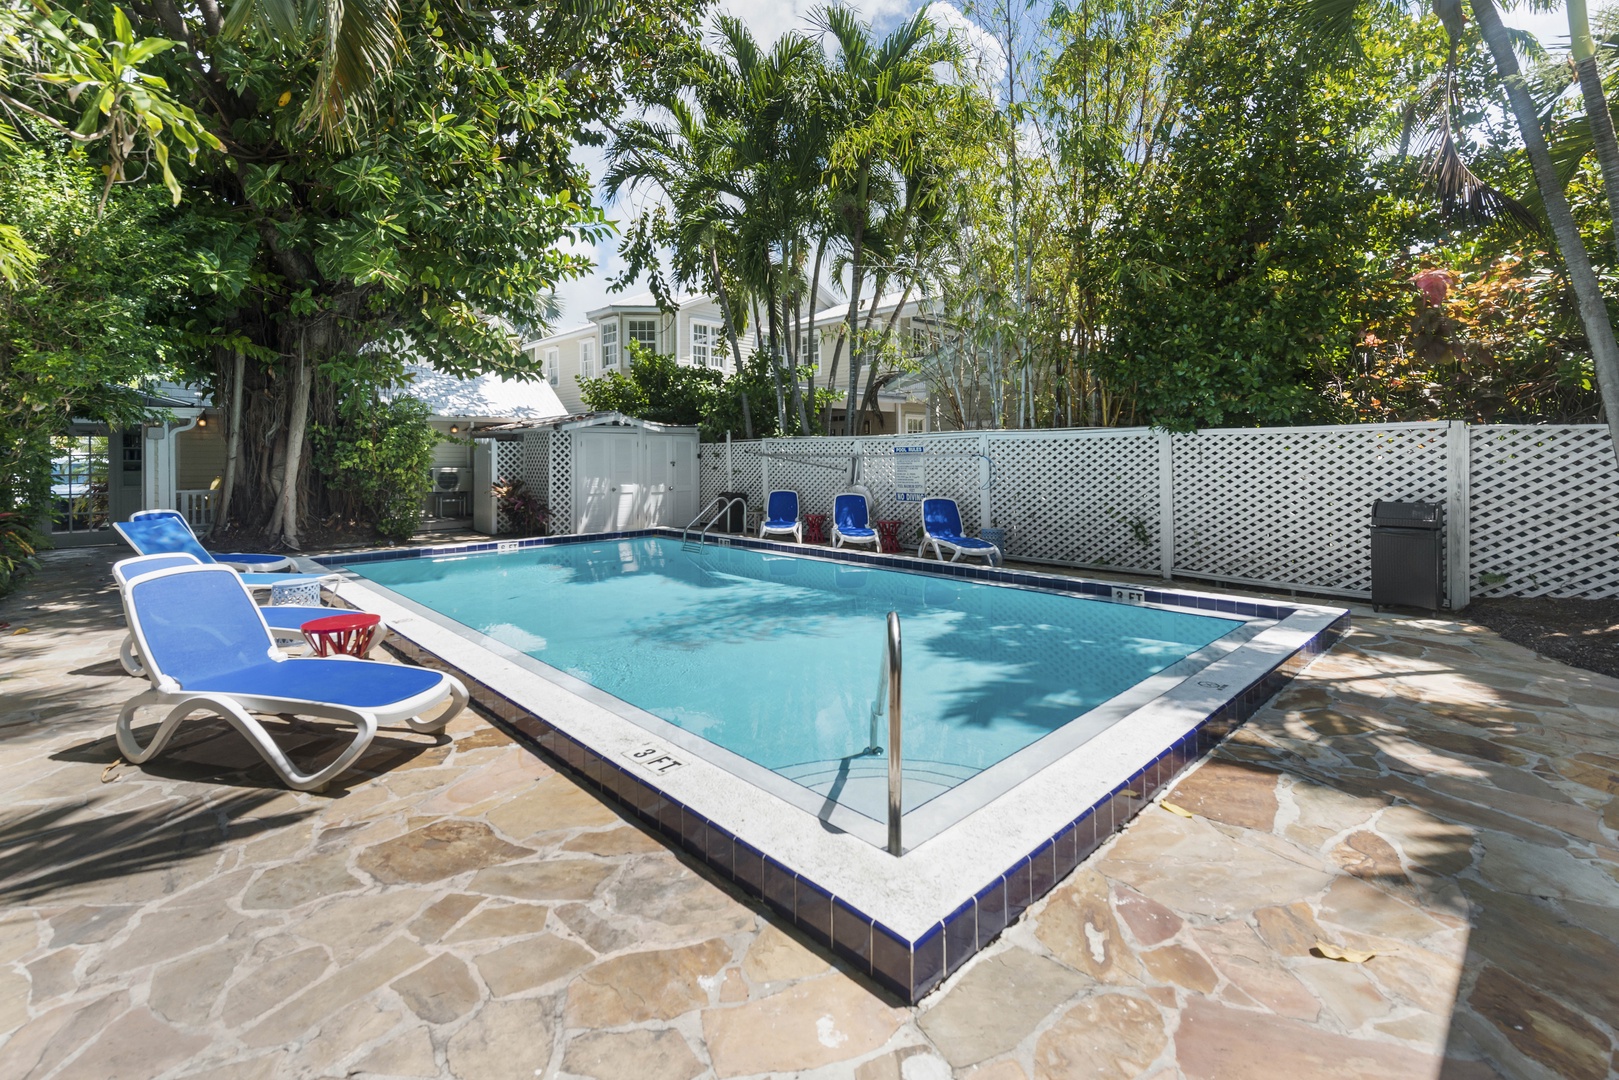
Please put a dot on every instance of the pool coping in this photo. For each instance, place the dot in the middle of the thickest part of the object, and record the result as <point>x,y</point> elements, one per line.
<point>908,922</point>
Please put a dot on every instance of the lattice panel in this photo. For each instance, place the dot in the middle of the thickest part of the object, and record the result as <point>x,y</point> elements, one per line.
<point>509,463</point>
<point>1544,512</point>
<point>1291,507</point>
<point>953,473</point>
<point>711,476</point>
<point>747,471</point>
<point>819,472</point>
<point>560,459</point>
<point>1084,499</point>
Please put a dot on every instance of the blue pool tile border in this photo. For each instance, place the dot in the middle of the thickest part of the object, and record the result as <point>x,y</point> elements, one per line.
<point>908,968</point>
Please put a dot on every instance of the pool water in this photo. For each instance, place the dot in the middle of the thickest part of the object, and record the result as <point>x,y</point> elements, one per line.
<point>777,658</point>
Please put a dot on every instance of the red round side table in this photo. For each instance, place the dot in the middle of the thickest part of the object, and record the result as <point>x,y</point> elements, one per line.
<point>814,528</point>
<point>350,633</point>
<point>888,535</point>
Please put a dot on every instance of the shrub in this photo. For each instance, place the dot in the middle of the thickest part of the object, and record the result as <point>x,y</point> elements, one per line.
<point>18,542</point>
<point>527,514</point>
<point>381,457</point>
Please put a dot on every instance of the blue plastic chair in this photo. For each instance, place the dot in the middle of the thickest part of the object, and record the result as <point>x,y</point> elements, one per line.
<point>851,521</point>
<point>166,532</point>
<point>781,516</point>
<point>207,649</point>
<point>284,620</point>
<point>941,528</point>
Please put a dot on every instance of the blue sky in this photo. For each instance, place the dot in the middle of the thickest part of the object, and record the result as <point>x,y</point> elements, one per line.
<point>769,19</point>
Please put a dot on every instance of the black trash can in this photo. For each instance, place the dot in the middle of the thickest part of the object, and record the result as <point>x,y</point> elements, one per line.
<point>734,518</point>
<point>1406,555</point>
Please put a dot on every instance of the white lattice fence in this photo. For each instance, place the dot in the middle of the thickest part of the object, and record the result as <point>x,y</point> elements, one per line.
<point>560,460</point>
<point>509,457</point>
<point>1291,506</point>
<point>1544,512</point>
<point>1080,498</point>
<point>1531,511</point>
<point>819,473</point>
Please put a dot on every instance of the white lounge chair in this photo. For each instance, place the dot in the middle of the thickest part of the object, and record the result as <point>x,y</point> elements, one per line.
<point>207,648</point>
<point>851,521</point>
<point>173,523</point>
<point>284,620</point>
<point>941,529</point>
<point>781,516</point>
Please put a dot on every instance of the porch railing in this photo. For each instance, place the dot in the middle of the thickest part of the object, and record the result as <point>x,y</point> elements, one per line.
<point>197,505</point>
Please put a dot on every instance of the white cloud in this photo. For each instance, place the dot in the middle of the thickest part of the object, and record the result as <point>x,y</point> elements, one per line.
<point>986,56</point>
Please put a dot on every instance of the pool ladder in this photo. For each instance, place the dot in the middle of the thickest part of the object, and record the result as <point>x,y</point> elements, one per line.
<point>686,542</point>
<point>888,700</point>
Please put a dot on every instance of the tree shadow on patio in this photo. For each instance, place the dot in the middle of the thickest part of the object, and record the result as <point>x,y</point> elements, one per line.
<point>54,850</point>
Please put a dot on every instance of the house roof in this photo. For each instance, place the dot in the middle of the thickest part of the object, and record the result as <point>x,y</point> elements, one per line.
<point>831,316</point>
<point>484,397</point>
<point>585,420</point>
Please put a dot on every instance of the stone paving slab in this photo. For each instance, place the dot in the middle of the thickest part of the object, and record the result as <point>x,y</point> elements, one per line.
<point>1434,803</point>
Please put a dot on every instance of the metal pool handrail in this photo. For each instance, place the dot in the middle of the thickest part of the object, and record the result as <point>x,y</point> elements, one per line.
<point>888,694</point>
<point>685,534</point>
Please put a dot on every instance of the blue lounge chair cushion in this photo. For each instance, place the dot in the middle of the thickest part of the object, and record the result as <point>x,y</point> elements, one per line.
<point>358,685</point>
<point>851,516</point>
<point>781,511</point>
<point>266,580</point>
<point>941,518</point>
<point>293,616</point>
<point>159,531</point>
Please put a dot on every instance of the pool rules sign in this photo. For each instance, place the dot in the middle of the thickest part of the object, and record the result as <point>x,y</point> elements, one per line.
<point>910,481</point>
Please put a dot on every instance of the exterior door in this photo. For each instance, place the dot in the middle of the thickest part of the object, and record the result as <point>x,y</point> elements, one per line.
<point>607,480</point>
<point>595,500</point>
<point>680,500</point>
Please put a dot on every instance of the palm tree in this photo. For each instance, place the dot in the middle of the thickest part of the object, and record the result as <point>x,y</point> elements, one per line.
<point>357,41</point>
<point>1457,184</point>
<point>876,97</point>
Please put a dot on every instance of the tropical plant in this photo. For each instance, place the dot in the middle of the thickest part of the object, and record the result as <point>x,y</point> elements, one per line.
<point>525,512</point>
<point>19,544</point>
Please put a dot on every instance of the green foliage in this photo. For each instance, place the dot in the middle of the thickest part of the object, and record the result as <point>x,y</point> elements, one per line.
<point>19,540</point>
<point>381,459</point>
<point>90,324</point>
<point>1262,220</point>
<point>655,388</point>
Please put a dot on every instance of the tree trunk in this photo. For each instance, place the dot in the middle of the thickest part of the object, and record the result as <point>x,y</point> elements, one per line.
<point>856,249</point>
<point>286,516</point>
<point>1583,51</point>
<point>1587,293</point>
<point>233,440</point>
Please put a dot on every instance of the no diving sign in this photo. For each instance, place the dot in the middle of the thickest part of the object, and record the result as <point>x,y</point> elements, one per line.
<point>910,481</point>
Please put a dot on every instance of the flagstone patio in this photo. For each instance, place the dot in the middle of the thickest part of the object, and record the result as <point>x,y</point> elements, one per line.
<point>1429,801</point>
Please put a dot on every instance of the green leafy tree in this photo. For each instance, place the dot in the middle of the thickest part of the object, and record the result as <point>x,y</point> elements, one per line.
<point>425,231</point>
<point>1263,213</point>
<point>89,324</point>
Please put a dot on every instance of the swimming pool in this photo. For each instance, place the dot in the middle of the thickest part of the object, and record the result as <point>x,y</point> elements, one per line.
<point>776,658</point>
<point>724,696</point>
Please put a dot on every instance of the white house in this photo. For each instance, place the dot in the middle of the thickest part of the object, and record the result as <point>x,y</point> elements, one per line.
<point>694,335</point>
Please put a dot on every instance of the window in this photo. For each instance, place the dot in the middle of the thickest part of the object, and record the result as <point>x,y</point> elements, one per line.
<point>809,349</point>
<point>707,350</point>
<point>587,357</point>
<point>914,425</point>
<point>645,332</point>
<point>552,366</point>
<point>609,347</point>
<point>919,341</point>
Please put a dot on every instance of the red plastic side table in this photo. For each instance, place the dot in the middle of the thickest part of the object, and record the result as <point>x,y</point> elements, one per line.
<point>350,633</point>
<point>814,528</point>
<point>888,535</point>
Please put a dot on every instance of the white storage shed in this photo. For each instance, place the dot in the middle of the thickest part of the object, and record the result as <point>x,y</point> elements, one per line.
<point>603,472</point>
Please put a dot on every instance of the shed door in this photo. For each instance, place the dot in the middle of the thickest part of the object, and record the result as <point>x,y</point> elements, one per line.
<point>607,483</point>
<point>680,497</point>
